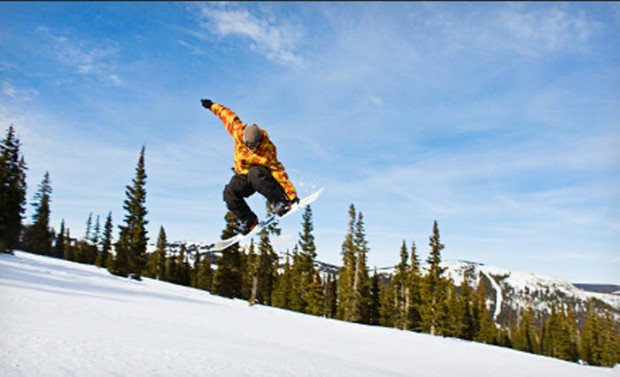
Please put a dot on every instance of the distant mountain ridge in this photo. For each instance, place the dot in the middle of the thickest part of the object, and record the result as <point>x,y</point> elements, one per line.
<point>599,288</point>
<point>509,292</point>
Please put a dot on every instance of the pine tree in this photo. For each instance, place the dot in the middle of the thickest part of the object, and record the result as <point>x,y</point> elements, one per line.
<point>38,237</point>
<point>591,350</point>
<point>488,331</point>
<point>600,339</point>
<point>571,337</point>
<point>303,264</point>
<point>559,337</point>
<point>455,313</point>
<point>263,267</point>
<point>314,296</point>
<point>68,248</point>
<point>12,191</point>
<point>331,296</point>
<point>267,266</point>
<point>610,341</point>
<point>250,273</point>
<point>157,261</point>
<point>183,268</point>
<point>106,244</point>
<point>465,303</point>
<point>85,251</point>
<point>89,227</point>
<point>415,291</point>
<point>203,272</point>
<point>387,304</point>
<point>346,295</point>
<point>59,245</point>
<point>131,246</point>
<point>400,290</point>
<point>95,236</point>
<point>296,300</point>
<point>374,311</point>
<point>434,308</point>
<point>528,339</point>
<point>485,330</point>
<point>228,280</point>
<point>552,328</point>
<point>281,296</point>
<point>361,281</point>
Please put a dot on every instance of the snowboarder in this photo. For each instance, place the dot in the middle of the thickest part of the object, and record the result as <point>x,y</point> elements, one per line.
<point>256,168</point>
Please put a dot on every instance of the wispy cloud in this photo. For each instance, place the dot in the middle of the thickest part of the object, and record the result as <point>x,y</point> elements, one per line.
<point>83,57</point>
<point>535,32</point>
<point>191,48</point>
<point>275,41</point>
<point>11,91</point>
<point>516,28</point>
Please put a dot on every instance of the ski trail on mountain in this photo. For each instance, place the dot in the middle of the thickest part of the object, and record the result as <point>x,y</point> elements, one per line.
<point>498,294</point>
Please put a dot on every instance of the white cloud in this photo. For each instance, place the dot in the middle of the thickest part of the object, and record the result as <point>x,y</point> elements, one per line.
<point>542,31</point>
<point>192,49</point>
<point>515,28</point>
<point>82,57</point>
<point>276,42</point>
<point>8,90</point>
<point>19,94</point>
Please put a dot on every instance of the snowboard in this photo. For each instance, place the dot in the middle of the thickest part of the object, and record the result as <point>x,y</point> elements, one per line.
<point>223,244</point>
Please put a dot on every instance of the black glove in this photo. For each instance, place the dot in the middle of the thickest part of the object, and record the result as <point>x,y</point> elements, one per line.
<point>206,103</point>
<point>295,201</point>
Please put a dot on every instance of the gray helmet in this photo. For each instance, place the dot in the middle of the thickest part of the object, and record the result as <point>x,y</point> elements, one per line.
<point>252,135</point>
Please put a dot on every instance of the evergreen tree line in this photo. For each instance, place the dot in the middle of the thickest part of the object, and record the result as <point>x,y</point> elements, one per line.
<point>410,299</point>
<point>125,257</point>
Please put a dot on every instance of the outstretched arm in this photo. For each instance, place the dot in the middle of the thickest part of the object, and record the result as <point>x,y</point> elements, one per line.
<point>231,121</point>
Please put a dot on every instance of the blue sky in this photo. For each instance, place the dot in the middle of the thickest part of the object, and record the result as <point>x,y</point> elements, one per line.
<point>498,120</point>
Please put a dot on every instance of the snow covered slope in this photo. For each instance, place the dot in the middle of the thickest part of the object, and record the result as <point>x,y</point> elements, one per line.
<point>60,318</point>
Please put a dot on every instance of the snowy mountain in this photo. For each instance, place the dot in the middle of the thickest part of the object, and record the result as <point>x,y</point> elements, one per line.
<point>61,318</point>
<point>508,292</point>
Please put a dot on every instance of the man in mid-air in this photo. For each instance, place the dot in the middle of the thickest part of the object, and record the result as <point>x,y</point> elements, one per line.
<point>256,168</point>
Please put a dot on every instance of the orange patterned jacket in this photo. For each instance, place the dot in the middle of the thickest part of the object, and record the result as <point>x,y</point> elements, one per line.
<point>244,158</point>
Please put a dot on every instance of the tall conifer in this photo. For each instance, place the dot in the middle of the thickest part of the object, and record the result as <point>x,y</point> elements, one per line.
<point>12,191</point>
<point>38,237</point>
<point>106,243</point>
<point>157,261</point>
<point>303,264</point>
<point>400,290</point>
<point>131,246</point>
<point>415,290</point>
<point>314,296</point>
<point>374,311</point>
<point>331,296</point>
<point>434,310</point>
<point>361,281</point>
<point>228,280</point>
<point>346,275</point>
<point>282,291</point>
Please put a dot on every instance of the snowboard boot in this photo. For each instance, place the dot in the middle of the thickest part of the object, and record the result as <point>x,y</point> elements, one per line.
<point>248,224</point>
<point>281,206</point>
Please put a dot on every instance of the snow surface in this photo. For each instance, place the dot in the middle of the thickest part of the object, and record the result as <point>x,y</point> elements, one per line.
<point>62,319</point>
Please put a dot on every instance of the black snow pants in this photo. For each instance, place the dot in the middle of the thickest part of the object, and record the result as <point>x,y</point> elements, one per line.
<point>242,186</point>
